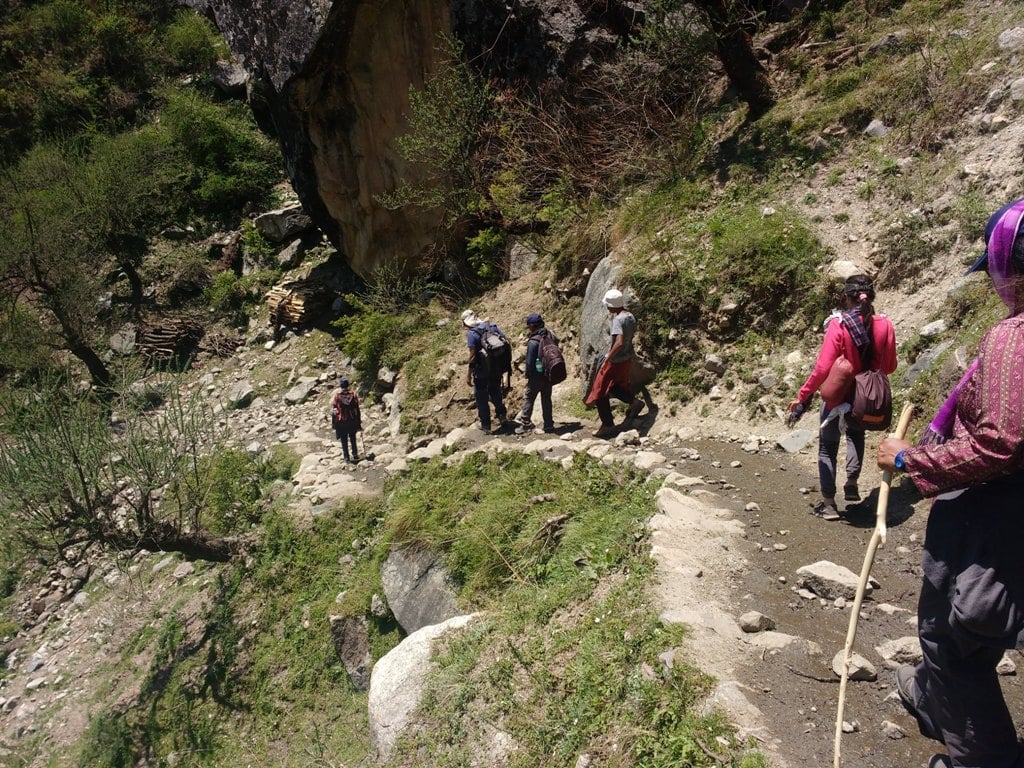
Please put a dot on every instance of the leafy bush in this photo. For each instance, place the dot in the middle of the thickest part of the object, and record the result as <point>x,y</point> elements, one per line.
<point>373,338</point>
<point>191,42</point>
<point>233,162</point>
<point>237,482</point>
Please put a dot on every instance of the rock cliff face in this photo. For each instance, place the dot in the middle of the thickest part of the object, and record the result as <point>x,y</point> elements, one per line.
<point>333,80</point>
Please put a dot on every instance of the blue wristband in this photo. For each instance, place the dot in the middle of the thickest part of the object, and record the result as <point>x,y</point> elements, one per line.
<point>898,461</point>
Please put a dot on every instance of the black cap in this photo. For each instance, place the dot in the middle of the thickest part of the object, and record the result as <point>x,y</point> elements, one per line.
<point>981,265</point>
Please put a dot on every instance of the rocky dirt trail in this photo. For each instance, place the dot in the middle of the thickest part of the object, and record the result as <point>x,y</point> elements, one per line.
<point>730,531</point>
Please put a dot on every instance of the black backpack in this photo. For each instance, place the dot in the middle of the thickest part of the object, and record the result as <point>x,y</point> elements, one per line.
<point>551,359</point>
<point>496,351</point>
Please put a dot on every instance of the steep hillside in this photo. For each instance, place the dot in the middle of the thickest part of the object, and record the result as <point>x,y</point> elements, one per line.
<point>696,517</point>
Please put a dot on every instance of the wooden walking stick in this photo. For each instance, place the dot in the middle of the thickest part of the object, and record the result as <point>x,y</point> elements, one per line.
<point>877,537</point>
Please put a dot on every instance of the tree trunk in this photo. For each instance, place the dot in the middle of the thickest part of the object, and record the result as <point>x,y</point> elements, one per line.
<point>736,52</point>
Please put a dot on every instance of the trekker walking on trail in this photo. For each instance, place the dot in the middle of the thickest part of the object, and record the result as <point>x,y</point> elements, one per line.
<point>490,358</point>
<point>537,382</point>
<point>612,378</point>
<point>868,341</point>
<point>971,460</point>
<point>347,420</point>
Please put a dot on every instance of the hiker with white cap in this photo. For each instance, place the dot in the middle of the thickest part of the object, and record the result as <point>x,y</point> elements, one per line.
<point>490,357</point>
<point>613,376</point>
<point>971,460</point>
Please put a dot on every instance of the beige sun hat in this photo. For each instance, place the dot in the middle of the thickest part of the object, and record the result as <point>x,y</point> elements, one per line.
<point>613,299</point>
<point>469,319</point>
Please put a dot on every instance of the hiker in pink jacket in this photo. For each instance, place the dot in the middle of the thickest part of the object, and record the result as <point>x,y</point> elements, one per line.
<point>867,340</point>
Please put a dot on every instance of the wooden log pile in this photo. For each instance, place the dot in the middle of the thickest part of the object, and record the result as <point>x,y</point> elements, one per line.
<point>169,338</point>
<point>297,302</point>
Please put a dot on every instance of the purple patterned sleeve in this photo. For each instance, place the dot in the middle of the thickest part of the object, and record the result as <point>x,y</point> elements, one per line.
<point>988,435</point>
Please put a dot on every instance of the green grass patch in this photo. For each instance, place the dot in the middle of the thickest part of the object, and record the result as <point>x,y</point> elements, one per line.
<point>565,660</point>
<point>712,276</point>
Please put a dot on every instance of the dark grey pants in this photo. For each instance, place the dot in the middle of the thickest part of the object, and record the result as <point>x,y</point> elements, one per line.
<point>971,608</point>
<point>537,385</point>
<point>828,452</point>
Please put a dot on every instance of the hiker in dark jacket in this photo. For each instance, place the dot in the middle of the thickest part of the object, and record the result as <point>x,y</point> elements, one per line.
<point>346,418</point>
<point>537,382</point>
<point>481,375</point>
<point>846,333</point>
<point>971,461</point>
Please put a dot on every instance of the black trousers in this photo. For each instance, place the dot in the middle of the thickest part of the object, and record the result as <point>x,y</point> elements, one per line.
<point>971,609</point>
<point>348,438</point>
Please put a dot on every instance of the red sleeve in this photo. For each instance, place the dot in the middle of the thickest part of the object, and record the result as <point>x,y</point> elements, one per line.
<point>883,335</point>
<point>832,347</point>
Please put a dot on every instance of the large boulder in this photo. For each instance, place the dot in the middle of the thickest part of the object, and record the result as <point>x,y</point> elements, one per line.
<point>397,684</point>
<point>418,588</point>
<point>332,80</point>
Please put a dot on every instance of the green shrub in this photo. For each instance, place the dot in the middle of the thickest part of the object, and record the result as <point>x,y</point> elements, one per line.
<point>191,42</point>
<point>233,162</point>
<point>373,338</point>
<point>485,252</point>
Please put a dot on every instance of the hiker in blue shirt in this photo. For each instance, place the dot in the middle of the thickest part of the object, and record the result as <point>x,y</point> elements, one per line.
<point>536,382</point>
<point>487,363</point>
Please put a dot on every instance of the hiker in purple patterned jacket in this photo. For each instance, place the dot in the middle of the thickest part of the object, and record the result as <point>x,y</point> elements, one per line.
<point>971,459</point>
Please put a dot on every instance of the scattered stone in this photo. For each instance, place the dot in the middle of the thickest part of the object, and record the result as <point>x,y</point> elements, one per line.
<point>1006,666</point>
<point>903,650</point>
<point>752,506</point>
<point>892,730</point>
<point>754,621</point>
<point>858,667</point>
<point>829,581</point>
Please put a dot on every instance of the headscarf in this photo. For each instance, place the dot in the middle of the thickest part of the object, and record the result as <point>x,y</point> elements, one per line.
<point>1000,234</point>
<point>999,248</point>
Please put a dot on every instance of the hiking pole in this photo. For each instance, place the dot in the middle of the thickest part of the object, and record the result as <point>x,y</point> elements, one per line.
<point>877,537</point>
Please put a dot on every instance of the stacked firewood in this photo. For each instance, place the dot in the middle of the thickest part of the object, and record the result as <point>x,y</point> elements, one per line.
<point>296,302</point>
<point>169,338</point>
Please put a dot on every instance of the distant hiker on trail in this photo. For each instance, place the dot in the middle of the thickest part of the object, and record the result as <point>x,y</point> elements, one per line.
<point>540,377</point>
<point>866,340</point>
<point>346,419</point>
<point>612,378</point>
<point>490,358</point>
<point>971,460</point>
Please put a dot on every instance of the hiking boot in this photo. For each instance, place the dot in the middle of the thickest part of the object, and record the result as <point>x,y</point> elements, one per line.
<point>524,427</point>
<point>826,511</point>
<point>634,409</point>
<point>549,428</point>
<point>906,686</point>
<point>605,432</point>
<point>940,761</point>
<point>851,493</point>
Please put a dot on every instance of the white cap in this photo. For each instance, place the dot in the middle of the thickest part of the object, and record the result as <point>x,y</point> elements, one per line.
<point>613,299</point>
<point>469,319</point>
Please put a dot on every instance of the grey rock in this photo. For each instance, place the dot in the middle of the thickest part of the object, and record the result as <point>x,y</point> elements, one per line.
<point>283,224</point>
<point>902,650</point>
<point>397,683</point>
<point>239,395</point>
<point>229,78</point>
<point>924,362</point>
<point>299,393</point>
<point>714,364</point>
<point>418,588</point>
<point>934,328</point>
<point>796,440</point>
<point>351,636</point>
<point>1011,39</point>
<point>755,621</point>
<point>858,667</point>
<point>829,581</point>
<point>877,129</point>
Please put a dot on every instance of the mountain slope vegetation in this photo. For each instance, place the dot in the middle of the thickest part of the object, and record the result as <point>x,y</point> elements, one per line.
<point>731,226</point>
